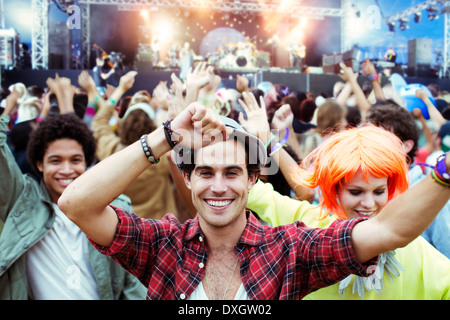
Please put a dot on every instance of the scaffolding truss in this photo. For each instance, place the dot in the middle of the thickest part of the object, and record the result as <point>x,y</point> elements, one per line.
<point>39,34</point>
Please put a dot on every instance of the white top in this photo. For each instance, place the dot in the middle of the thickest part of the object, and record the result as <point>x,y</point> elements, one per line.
<point>58,266</point>
<point>200,294</point>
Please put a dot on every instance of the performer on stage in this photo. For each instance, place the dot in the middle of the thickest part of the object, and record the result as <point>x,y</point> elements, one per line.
<point>297,54</point>
<point>103,72</point>
<point>155,47</point>
<point>389,56</point>
<point>186,59</point>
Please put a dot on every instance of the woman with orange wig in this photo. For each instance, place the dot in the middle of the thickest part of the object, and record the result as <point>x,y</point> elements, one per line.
<point>369,150</point>
<point>358,172</point>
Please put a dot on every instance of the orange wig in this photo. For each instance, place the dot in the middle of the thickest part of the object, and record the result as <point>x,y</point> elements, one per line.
<point>370,149</point>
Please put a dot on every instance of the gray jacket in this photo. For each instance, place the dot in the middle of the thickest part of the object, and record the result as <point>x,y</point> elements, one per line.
<point>26,216</point>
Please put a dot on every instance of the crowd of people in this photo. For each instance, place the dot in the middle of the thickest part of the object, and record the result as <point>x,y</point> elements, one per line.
<point>193,191</point>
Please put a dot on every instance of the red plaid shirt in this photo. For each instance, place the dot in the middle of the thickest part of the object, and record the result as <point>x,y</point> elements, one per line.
<point>285,262</point>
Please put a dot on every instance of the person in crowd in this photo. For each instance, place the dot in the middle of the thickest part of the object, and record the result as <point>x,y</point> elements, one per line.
<point>186,59</point>
<point>402,123</point>
<point>45,255</point>
<point>331,118</point>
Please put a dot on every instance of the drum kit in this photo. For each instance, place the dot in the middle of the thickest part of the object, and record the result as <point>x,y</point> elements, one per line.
<point>232,55</point>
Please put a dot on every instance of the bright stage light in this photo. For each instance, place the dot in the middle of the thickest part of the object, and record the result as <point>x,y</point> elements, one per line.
<point>144,13</point>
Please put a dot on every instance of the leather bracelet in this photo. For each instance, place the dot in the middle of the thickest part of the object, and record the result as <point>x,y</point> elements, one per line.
<point>147,150</point>
<point>168,132</point>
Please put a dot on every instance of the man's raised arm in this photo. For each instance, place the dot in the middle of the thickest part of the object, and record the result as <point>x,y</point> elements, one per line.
<point>86,200</point>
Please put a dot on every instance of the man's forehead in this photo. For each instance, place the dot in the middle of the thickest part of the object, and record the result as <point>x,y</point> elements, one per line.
<point>221,153</point>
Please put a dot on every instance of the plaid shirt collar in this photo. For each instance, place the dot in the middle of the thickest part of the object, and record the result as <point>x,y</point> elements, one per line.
<point>252,235</point>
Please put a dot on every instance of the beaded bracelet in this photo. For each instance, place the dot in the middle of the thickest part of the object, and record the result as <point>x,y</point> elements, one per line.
<point>148,151</point>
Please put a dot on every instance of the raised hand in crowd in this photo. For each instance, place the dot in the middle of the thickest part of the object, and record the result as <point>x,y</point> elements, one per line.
<point>437,117</point>
<point>282,121</point>
<point>11,102</point>
<point>241,83</point>
<point>368,69</point>
<point>177,102</point>
<point>258,125</point>
<point>64,91</point>
<point>351,77</point>
<point>197,79</point>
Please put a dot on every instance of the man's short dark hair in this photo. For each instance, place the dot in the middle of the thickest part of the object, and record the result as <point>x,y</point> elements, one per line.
<point>398,120</point>
<point>56,127</point>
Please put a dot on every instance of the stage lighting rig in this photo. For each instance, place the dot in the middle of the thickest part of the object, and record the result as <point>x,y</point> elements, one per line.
<point>418,17</point>
<point>404,24</point>
<point>433,13</point>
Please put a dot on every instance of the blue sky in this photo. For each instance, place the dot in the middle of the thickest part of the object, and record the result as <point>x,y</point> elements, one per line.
<point>382,38</point>
<point>18,16</point>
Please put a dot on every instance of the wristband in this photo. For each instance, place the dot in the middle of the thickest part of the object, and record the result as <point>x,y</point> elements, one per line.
<point>147,150</point>
<point>279,145</point>
<point>93,106</point>
<point>373,77</point>
<point>113,102</point>
<point>270,141</point>
<point>97,99</point>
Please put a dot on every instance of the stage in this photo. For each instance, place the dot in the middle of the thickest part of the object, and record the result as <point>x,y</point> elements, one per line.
<point>148,79</point>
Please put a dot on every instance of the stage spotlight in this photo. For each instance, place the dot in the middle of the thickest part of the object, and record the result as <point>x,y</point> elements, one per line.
<point>144,13</point>
<point>433,13</point>
<point>391,26</point>
<point>404,24</point>
<point>418,17</point>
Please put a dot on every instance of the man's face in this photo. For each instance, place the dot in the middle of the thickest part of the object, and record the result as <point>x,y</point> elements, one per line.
<point>63,162</point>
<point>220,183</point>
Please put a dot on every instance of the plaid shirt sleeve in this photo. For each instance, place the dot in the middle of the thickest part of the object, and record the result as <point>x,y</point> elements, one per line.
<point>137,242</point>
<point>329,257</point>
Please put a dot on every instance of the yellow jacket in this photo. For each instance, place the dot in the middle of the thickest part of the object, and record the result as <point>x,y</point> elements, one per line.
<point>426,274</point>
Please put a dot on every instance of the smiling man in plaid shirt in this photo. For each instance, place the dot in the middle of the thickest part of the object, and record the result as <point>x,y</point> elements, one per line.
<point>224,253</point>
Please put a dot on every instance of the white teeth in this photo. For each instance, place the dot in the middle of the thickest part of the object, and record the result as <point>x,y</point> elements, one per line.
<point>365,213</point>
<point>218,203</point>
<point>66,181</point>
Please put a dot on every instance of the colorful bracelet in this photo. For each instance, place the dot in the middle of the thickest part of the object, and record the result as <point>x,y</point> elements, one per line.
<point>439,172</point>
<point>93,105</point>
<point>279,145</point>
<point>97,99</point>
<point>148,151</point>
<point>374,77</point>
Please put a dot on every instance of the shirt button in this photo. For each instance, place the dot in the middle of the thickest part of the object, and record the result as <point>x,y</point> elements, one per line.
<point>182,296</point>
<point>201,265</point>
<point>200,238</point>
